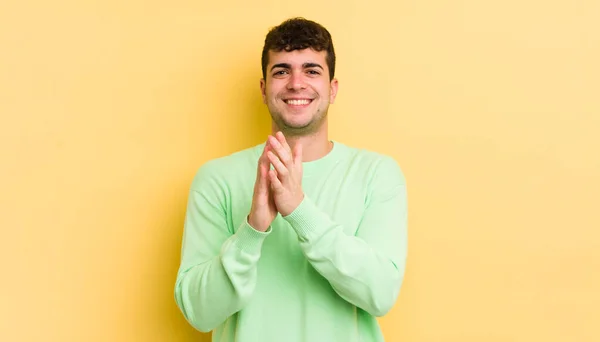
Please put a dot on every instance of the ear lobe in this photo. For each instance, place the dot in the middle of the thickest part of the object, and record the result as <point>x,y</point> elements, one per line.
<point>263,90</point>
<point>333,89</point>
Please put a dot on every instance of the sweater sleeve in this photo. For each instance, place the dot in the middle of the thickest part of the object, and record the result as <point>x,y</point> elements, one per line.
<point>218,269</point>
<point>365,269</point>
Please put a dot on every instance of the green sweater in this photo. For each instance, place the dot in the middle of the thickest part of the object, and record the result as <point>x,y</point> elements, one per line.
<point>322,274</point>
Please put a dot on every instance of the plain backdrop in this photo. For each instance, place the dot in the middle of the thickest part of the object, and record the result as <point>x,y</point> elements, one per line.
<point>492,109</point>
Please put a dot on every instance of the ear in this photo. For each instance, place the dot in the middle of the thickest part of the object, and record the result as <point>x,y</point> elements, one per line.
<point>333,90</point>
<point>263,87</point>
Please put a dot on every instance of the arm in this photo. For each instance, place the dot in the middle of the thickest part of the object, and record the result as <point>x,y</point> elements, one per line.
<point>367,269</point>
<point>217,274</point>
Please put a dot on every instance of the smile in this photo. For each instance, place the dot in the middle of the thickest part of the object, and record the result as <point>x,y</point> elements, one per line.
<point>298,102</point>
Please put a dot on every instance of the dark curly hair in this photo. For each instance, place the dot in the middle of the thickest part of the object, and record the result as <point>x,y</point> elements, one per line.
<point>299,34</point>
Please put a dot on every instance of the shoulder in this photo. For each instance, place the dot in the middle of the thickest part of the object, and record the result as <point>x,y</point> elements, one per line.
<point>380,174</point>
<point>377,165</point>
<point>222,169</point>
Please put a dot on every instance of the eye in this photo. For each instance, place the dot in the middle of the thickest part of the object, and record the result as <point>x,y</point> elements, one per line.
<point>280,72</point>
<point>313,72</point>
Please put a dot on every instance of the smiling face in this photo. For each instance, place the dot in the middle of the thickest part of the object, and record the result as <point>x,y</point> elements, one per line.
<point>297,90</point>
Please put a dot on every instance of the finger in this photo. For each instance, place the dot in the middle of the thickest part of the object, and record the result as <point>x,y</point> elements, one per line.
<point>282,153</point>
<point>277,164</point>
<point>275,183</point>
<point>281,138</point>
<point>298,153</point>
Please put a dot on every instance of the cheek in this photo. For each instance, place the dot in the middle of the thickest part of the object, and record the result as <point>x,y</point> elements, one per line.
<point>273,94</point>
<point>326,93</point>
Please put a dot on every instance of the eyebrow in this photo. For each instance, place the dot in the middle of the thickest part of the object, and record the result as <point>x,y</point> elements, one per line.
<point>288,66</point>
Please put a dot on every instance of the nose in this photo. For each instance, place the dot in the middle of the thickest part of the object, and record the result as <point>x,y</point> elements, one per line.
<point>296,81</point>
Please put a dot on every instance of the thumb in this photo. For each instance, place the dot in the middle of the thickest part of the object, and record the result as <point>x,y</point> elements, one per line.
<point>262,183</point>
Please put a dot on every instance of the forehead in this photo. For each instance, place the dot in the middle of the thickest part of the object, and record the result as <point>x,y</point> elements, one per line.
<point>298,57</point>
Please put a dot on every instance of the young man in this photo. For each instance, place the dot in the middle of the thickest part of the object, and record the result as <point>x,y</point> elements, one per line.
<point>300,238</point>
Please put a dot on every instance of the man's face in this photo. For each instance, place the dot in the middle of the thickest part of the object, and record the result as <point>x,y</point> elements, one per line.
<point>297,90</point>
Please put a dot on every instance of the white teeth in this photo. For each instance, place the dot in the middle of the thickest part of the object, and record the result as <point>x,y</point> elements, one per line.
<point>298,102</point>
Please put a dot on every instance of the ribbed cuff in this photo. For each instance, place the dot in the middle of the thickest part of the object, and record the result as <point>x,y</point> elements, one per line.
<point>307,220</point>
<point>249,239</point>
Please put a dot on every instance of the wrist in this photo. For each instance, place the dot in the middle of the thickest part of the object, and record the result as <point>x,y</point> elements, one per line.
<point>256,226</point>
<point>293,208</point>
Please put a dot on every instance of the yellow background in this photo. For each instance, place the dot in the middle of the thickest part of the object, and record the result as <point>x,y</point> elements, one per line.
<point>492,109</point>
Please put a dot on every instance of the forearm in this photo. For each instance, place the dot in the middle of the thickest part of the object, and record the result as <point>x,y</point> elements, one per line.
<point>209,292</point>
<point>363,274</point>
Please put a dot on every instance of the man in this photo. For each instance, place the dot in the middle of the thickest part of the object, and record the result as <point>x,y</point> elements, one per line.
<point>300,238</point>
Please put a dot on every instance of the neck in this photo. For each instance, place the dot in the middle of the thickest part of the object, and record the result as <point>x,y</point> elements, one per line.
<point>314,146</point>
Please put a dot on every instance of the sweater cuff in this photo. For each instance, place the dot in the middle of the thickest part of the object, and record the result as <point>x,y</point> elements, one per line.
<point>307,220</point>
<point>249,239</point>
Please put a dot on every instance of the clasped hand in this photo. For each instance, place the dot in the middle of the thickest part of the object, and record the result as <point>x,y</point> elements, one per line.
<point>286,176</point>
<point>277,189</point>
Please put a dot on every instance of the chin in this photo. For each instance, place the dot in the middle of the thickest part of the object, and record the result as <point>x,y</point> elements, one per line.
<point>298,121</point>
